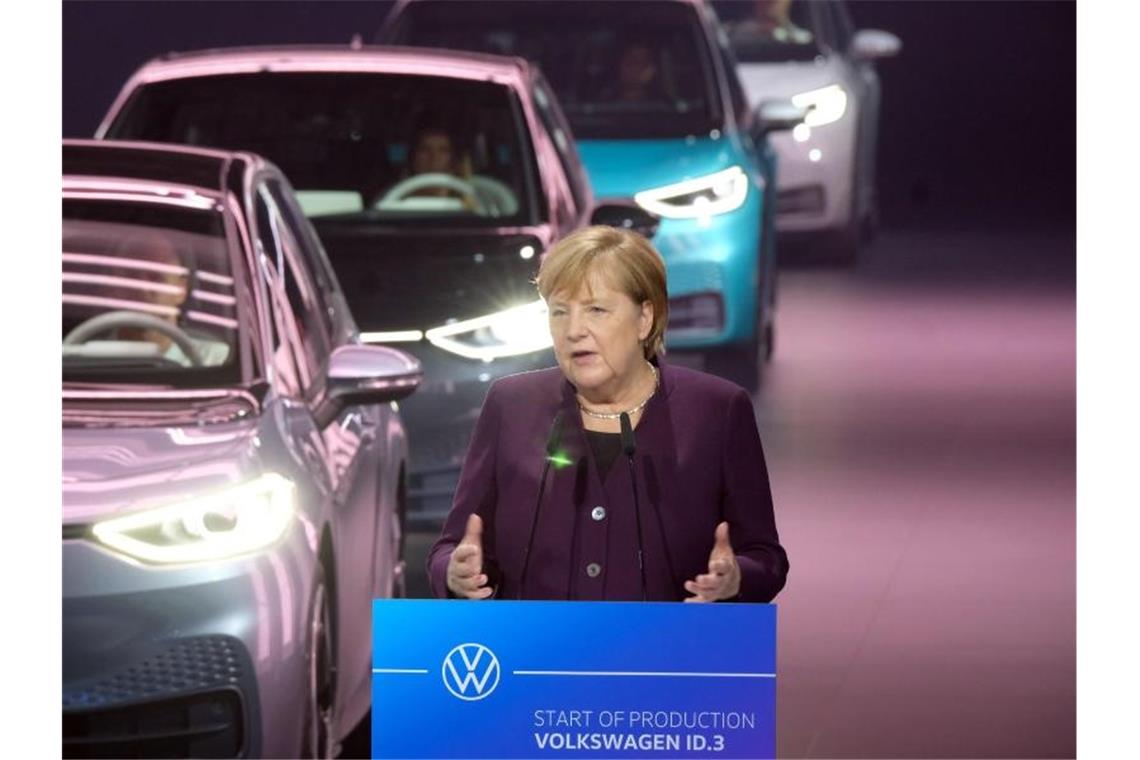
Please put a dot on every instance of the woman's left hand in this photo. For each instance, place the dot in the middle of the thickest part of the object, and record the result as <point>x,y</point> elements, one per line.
<point>723,578</point>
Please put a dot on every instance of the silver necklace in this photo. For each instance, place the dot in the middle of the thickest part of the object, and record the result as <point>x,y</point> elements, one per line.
<point>631,412</point>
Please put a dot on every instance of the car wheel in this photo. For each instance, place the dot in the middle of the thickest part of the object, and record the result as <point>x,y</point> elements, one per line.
<point>317,740</point>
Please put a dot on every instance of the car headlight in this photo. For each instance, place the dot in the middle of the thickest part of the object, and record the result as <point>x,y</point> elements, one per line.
<point>704,196</point>
<point>512,332</point>
<point>235,520</point>
<point>825,105</point>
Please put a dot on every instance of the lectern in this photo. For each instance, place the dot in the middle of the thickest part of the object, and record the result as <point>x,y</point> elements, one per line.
<point>521,679</point>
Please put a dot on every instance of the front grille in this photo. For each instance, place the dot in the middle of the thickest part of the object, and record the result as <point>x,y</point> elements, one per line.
<point>430,494</point>
<point>196,697</point>
<point>800,200</point>
<point>699,311</point>
<point>440,446</point>
<point>202,725</point>
<point>189,665</point>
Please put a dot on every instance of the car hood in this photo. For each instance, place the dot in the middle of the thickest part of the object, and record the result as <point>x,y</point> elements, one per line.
<point>765,81</point>
<point>621,168</point>
<point>109,470</point>
<point>417,279</point>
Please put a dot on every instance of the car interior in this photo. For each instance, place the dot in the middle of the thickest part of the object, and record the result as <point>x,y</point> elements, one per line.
<point>143,298</point>
<point>347,141</point>
<point>607,62</point>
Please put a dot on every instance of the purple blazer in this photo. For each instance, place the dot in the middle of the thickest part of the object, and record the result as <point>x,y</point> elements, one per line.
<point>699,461</point>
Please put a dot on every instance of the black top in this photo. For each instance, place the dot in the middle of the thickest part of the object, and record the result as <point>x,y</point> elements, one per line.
<point>606,447</point>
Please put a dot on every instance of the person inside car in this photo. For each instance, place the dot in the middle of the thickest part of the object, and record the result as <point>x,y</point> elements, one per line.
<point>637,74</point>
<point>773,22</point>
<point>433,151</point>
<point>160,284</point>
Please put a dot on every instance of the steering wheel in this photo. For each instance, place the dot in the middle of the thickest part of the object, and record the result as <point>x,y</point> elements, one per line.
<point>406,187</point>
<point>494,196</point>
<point>113,320</point>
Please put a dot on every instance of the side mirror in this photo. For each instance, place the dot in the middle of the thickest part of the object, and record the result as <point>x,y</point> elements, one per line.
<point>870,44</point>
<point>366,375</point>
<point>777,116</point>
<point>626,215</point>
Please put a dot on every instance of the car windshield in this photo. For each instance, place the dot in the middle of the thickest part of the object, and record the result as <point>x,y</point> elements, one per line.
<point>620,70</point>
<point>771,31</point>
<point>390,148</point>
<point>148,295</point>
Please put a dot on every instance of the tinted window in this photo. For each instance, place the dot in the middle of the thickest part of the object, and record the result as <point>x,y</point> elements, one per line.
<point>772,31</point>
<point>160,275</point>
<point>559,133</point>
<point>841,27</point>
<point>306,313</point>
<point>396,149</point>
<point>312,252</point>
<point>620,70</point>
<point>728,61</point>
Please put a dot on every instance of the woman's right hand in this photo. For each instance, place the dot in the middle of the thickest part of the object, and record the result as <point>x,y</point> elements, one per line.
<point>465,576</point>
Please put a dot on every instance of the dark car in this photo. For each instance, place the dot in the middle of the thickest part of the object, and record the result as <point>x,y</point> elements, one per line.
<point>435,180</point>
<point>233,464</point>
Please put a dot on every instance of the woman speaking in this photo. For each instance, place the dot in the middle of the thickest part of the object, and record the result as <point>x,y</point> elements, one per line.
<point>613,476</point>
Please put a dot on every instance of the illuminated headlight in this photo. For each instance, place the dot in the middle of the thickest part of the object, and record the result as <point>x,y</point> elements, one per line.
<point>521,330</point>
<point>825,105</point>
<point>701,197</point>
<point>236,520</point>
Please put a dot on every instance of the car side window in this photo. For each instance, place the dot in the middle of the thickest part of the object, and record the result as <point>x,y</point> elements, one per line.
<point>735,89</point>
<point>312,252</point>
<point>289,374</point>
<point>559,131</point>
<point>302,325</point>
<point>842,29</point>
<point>824,25</point>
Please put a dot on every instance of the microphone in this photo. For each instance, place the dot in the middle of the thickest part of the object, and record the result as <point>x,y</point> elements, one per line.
<point>552,442</point>
<point>628,447</point>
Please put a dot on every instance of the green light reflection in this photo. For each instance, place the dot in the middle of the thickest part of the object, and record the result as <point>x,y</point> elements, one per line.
<point>560,460</point>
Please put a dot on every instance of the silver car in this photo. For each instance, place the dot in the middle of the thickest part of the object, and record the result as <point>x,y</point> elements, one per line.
<point>810,52</point>
<point>233,464</point>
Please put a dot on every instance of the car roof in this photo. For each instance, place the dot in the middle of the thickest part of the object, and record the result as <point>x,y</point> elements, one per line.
<point>401,4</point>
<point>158,164</point>
<point>343,58</point>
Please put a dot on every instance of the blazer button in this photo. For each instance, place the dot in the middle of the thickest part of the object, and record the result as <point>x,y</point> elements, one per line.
<point>599,514</point>
<point>593,569</point>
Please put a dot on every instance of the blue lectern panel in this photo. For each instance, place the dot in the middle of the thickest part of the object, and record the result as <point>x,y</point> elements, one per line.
<point>503,679</point>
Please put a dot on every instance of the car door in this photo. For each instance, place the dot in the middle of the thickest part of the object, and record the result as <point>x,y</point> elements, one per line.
<point>344,444</point>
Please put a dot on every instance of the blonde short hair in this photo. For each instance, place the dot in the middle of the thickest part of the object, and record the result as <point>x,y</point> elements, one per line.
<point>625,259</point>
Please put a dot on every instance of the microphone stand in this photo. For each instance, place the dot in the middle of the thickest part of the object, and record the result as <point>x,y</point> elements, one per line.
<point>552,442</point>
<point>629,446</point>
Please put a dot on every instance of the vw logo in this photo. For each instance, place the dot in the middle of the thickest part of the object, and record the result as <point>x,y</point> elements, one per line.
<point>471,671</point>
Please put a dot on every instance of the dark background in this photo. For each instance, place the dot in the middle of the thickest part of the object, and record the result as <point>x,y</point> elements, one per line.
<point>979,109</point>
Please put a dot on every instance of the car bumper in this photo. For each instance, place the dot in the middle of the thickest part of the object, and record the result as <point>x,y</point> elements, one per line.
<point>718,257</point>
<point>440,417</point>
<point>203,661</point>
<point>815,177</point>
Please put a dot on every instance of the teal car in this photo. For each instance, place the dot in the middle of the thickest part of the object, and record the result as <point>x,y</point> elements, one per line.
<point>651,93</point>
